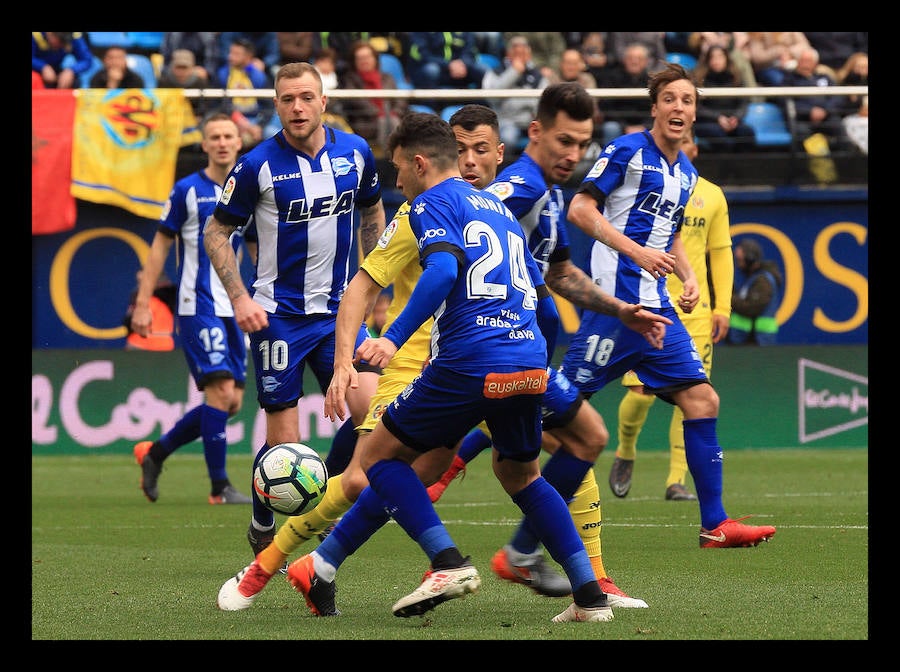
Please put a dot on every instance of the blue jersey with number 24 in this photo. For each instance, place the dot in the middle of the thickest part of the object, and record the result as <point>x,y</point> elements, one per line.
<point>488,321</point>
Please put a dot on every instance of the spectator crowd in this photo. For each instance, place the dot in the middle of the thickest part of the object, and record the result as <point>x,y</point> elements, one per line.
<point>483,60</point>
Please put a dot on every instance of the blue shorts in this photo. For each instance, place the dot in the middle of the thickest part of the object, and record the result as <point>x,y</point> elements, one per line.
<point>214,347</point>
<point>561,401</point>
<point>440,406</point>
<point>603,349</point>
<point>282,351</point>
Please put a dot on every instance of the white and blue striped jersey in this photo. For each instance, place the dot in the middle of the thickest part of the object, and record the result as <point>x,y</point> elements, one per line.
<point>488,321</point>
<point>538,208</point>
<point>644,198</point>
<point>304,213</point>
<point>191,202</point>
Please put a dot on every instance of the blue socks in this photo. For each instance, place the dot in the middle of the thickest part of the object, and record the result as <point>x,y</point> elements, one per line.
<point>704,458</point>
<point>187,429</point>
<point>263,517</point>
<point>361,521</point>
<point>473,444</point>
<point>342,446</point>
<point>548,515</point>
<point>410,507</point>
<point>215,447</point>
<point>564,472</point>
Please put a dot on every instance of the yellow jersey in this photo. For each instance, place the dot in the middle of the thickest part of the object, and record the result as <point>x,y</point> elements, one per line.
<point>395,260</point>
<point>706,230</point>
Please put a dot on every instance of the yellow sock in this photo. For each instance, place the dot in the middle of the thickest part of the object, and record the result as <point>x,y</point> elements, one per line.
<point>678,467</point>
<point>633,410</point>
<point>585,511</point>
<point>271,558</point>
<point>297,529</point>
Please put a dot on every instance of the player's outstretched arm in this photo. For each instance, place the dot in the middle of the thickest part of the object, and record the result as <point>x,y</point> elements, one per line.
<point>439,272</point>
<point>574,285</point>
<point>377,351</point>
<point>360,293</point>
<point>141,316</point>
<point>690,293</point>
<point>648,323</point>
<point>584,213</point>
<point>249,315</point>
<point>344,377</point>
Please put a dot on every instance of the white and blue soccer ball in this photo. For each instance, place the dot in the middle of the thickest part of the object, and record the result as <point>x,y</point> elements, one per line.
<point>290,478</point>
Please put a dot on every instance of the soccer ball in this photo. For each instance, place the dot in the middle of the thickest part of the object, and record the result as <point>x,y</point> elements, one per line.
<point>290,478</point>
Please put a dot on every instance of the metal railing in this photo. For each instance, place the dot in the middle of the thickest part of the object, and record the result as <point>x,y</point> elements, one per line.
<point>795,152</point>
<point>483,94</point>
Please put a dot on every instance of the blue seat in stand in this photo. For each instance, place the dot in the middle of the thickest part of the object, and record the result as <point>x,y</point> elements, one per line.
<point>769,124</point>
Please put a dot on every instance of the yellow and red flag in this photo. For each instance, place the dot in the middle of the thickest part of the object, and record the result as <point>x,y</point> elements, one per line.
<point>126,146</point>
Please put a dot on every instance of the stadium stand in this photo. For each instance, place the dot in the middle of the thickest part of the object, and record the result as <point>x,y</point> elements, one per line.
<point>769,124</point>
<point>391,65</point>
<point>687,61</point>
<point>85,77</point>
<point>143,66</point>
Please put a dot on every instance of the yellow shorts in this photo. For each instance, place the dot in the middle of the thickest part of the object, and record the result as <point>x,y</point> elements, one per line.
<point>700,329</point>
<point>392,382</point>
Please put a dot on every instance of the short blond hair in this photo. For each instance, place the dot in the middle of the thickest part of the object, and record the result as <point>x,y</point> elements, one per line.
<point>295,70</point>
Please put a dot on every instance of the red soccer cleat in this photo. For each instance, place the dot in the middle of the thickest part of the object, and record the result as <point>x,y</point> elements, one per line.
<point>734,534</point>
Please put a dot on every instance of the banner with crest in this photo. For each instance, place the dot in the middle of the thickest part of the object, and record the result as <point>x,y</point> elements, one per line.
<point>125,147</point>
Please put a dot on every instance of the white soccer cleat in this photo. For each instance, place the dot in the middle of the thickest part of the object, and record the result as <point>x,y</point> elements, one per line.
<point>576,614</point>
<point>438,586</point>
<point>241,590</point>
<point>625,602</point>
<point>617,598</point>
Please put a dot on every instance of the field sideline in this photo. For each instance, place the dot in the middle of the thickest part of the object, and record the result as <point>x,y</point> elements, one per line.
<point>109,565</point>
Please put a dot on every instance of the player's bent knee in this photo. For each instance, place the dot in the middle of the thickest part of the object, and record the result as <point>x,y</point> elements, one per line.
<point>353,482</point>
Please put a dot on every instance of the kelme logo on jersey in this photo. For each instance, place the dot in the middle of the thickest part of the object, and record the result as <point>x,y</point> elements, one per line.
<point>302,210</point>
<point>228,190</point>
<point>341,166</point>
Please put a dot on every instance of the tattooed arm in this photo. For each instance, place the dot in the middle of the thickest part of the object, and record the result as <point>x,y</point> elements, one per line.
<point>250,315</point>
<point>371,225</point>
<point>584,213</point>
<point>574,285</point>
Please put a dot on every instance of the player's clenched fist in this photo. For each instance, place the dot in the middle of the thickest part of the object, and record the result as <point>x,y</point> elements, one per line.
<point>376,351</point>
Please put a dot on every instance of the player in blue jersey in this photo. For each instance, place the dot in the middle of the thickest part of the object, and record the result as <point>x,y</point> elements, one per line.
<point>213,343</point>
<point>395,260</point>
<point>302,188</point>
<point>488,362</point>
<point>632,203</point>
<point>558,139</point>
